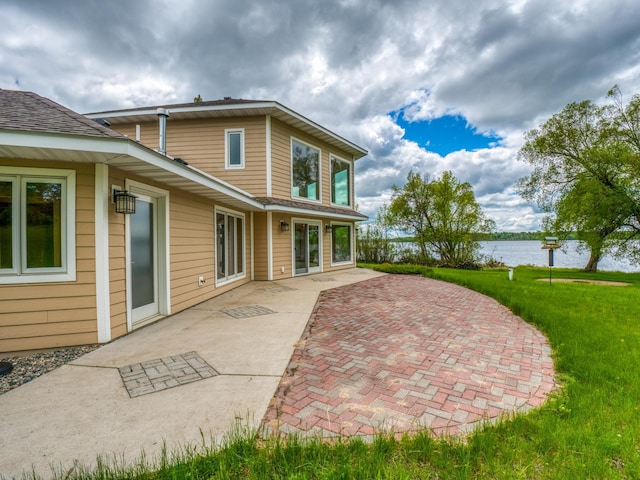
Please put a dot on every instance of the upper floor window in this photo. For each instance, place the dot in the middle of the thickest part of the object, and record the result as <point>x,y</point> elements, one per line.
<point>37,225</point>
<point>305,171</point>
<point>340,181</point>
<point>234,148</point>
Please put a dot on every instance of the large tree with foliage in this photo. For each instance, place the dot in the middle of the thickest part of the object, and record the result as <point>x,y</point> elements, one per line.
<point>442,215</point>
<point>581,175</point>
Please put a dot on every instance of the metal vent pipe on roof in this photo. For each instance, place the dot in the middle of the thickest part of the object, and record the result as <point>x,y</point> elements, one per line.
<point>163,114</point>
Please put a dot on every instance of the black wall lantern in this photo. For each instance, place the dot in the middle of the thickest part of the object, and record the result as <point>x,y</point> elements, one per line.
<point>284,226</point>
<point>327,228</point>
<point>125,202</point>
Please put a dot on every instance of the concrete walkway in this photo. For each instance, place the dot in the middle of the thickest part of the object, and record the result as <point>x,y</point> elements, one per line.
<point>83,409</point>
<point>381,351</point>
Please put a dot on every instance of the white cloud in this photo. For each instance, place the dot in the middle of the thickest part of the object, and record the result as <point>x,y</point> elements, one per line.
<point>504,65</point>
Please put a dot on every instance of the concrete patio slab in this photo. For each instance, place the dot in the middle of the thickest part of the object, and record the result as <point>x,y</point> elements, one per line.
<point>83,409</point>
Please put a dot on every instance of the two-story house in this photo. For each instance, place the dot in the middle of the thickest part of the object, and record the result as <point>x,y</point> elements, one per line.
<point>225,192</point>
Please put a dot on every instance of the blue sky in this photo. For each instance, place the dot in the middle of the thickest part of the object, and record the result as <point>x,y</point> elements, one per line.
<point>455,68</point>
<point>446,134</point>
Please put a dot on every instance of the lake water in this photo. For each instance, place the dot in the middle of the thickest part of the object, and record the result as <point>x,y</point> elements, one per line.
<point>528,252</point>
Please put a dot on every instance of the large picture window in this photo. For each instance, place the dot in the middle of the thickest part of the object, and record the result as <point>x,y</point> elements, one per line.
<point>37,225</point>
<point>230,255</point>
<point>340,244</point>
<point>340,182</point>
<point>234,148</point>
<point>305,168</point>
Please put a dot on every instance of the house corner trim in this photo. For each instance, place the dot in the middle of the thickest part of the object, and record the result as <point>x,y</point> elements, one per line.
<point>103,305</point>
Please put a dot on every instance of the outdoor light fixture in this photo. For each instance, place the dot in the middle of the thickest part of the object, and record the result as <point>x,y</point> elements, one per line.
<point>284,226</point>
<point>327,228</point>
<point>125,202</point>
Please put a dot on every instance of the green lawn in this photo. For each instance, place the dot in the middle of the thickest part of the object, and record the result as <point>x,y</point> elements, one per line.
<point>590,429</point>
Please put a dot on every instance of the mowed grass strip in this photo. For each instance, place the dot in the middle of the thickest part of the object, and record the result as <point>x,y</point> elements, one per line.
<point>589,429</point>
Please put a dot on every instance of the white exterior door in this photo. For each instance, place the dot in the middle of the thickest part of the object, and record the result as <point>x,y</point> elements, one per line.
<point>143,247</point>
<point>147,256</point>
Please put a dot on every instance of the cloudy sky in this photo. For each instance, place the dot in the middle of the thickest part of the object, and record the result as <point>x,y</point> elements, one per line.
<point>425,85</point>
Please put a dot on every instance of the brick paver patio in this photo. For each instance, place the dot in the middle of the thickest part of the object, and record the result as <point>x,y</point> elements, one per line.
<point>406,352</point>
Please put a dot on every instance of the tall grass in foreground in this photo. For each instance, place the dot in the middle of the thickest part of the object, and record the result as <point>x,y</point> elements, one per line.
<point>590,429</point>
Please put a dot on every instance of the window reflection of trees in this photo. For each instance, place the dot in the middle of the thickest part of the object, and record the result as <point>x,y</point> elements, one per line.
<point>305,171</point>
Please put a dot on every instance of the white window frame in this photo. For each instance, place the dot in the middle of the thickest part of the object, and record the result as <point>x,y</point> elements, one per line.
<point>238,275</point>
<point>331,183</point>
<point>227,148</point>
<point>19,273</point>
<point>351,243</point>
<point>319,187</point>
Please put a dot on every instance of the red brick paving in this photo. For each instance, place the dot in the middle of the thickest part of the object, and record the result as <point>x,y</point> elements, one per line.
<point>405,352</point>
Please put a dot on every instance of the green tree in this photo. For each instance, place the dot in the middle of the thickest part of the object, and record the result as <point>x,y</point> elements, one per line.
<point>373,244</point>
<point>581,175</point>
<point>442,215</point>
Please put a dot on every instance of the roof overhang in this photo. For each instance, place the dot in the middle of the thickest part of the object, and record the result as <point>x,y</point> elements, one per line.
<point>259,108</point>
<point>296,207</point>
<point>128,156</point>
<point>136,159</point>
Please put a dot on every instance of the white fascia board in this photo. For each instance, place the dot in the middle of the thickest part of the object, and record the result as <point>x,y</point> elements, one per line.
<point>152,111</point>
<point>57,141</point>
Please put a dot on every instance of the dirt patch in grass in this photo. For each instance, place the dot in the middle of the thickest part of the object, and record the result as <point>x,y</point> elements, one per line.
<point>585,280</point>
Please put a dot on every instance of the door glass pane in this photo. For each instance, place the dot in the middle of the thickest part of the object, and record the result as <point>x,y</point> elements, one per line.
<point>240,246</point>
<point>300,241</point>
<point>314,247</point>
<point>43,224</point>
<point>142,255</point>
<point>221,253</point>
<point>231,246</point>
<point>6,225</point>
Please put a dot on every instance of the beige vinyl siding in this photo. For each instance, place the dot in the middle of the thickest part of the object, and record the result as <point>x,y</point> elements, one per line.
<point>117,263</point>
<point>46,315</point>
<point>260,261</point>
<point>200,143</point>
<point>282,244</point>
<point>280,159</point>
<point>192,249</point>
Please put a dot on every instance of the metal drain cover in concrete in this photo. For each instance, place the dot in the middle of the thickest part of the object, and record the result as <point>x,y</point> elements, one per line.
<point>248,311</point>
<point>156,375</point>
<point>323,279</point>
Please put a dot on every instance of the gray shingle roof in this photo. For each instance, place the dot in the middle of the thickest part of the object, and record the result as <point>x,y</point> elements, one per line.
<point>27,111</point>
